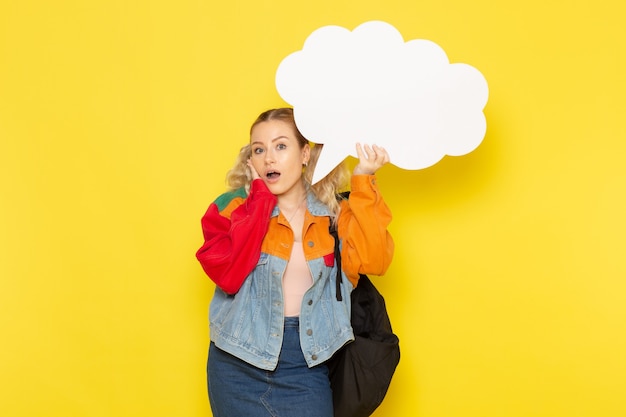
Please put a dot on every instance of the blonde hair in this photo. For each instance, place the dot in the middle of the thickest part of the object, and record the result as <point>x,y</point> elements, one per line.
<point>325,190</point>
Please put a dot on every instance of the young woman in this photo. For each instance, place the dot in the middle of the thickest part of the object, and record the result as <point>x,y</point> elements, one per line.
<point>274,317</point>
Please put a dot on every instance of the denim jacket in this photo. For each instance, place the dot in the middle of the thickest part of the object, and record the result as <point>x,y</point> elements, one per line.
<point>247,320</point>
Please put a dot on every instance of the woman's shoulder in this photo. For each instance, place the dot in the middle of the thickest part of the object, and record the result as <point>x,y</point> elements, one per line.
<point>229,200</point>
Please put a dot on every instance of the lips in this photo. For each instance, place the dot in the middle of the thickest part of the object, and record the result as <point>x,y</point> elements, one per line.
<point>272,176</point>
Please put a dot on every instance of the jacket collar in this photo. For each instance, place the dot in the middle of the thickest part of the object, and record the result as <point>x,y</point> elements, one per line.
<point>313,205</point>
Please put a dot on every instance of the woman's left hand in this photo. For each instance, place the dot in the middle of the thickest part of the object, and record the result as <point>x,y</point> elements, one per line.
<point>370,159</point>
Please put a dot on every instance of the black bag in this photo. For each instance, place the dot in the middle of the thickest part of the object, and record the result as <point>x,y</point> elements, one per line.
<point>361,371</point>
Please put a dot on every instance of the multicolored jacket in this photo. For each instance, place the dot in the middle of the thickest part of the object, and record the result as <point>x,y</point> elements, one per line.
<point>246,250</point>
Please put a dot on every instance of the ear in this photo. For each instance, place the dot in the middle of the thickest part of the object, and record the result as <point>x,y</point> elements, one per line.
<point>306,154</point>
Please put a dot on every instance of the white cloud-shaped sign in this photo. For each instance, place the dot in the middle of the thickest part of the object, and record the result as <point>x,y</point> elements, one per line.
<point>369,86</point>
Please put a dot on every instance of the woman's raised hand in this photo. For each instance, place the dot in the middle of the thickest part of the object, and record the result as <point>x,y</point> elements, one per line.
<point>253,172</point>
<point>370,159</point>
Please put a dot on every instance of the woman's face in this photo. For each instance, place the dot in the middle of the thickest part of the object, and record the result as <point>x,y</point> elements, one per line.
<point>277,157</point>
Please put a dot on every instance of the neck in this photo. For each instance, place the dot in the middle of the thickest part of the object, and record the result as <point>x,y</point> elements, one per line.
<point>291,200</point>
<point>290,204</point>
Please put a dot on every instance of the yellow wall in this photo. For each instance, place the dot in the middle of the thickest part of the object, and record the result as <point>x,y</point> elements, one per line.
<point>118,120</point>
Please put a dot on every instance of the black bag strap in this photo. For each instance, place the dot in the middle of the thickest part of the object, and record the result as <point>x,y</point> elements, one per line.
<point>333,231</point>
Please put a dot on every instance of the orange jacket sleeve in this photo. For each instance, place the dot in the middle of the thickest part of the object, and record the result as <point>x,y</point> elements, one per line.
<point>367,246</point>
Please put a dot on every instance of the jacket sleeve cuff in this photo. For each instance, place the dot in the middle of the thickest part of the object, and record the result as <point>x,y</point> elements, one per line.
<point>258,189</point>
<point>363,183</point>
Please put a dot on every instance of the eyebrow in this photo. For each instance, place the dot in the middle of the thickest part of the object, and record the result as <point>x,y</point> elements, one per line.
<point>273,140</point>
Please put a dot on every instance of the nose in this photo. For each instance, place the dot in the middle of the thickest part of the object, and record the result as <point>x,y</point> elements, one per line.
<point>269,157</point>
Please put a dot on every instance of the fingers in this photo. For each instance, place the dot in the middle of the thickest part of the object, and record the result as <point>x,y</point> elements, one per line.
<point>367,151</point>
<point>384,155</point>
<point>371,158</point>
<point>380,155</point>
<point>372,153</point>
<point>253,171</point>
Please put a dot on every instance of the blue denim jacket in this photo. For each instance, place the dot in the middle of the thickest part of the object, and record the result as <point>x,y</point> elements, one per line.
<point>249,324</point>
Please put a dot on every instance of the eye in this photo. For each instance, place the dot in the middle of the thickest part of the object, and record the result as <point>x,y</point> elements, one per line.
<point>257,151</point>
<point>281,146</point>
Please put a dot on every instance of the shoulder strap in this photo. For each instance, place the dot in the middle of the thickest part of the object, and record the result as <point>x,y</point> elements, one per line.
<point>333,231</point>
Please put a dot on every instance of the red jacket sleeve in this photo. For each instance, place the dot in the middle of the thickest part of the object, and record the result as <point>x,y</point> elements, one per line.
<point>232,245</point>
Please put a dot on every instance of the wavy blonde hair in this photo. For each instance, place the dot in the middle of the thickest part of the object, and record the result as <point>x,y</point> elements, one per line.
<point>325,190</point>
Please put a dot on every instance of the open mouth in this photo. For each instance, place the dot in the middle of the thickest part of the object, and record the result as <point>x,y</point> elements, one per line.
<point>272,175</point>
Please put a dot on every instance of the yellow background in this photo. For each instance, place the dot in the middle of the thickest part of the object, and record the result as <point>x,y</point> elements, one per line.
<point>119,119</point>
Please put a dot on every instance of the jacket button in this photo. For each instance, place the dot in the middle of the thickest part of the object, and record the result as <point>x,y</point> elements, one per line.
<point>309,332</point>
<point>310,243</point>
<point>310,302</point>
<point>314,357</point>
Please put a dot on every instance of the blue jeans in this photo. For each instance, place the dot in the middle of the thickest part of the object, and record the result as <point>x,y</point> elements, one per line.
<point>238,389</point>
